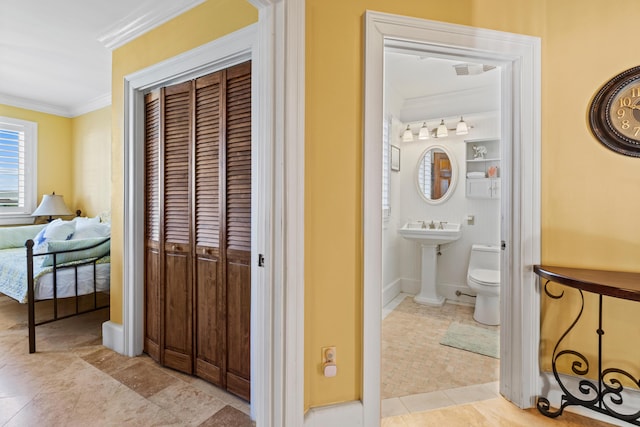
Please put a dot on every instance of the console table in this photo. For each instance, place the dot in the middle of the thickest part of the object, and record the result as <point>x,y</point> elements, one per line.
<point>607,394</point>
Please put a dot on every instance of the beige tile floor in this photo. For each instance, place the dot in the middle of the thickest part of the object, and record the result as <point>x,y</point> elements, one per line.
<point>425,383</point>
<point>74,381</point>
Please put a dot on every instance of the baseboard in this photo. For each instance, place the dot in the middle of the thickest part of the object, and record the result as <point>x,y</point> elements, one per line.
<point>348,414</point>
<point>390,291</point>
<point>113,336</point>
<point>552,391</point>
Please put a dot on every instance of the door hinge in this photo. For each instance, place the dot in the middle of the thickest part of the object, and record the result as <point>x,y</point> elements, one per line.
<point>260,260</point>
<point>503,245</point>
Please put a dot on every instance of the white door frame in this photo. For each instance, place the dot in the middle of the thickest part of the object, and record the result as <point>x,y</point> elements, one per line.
<point>519,57</point>
<point>276,47</point>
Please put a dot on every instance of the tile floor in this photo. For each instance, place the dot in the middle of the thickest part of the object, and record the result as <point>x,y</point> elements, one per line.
<point>74,381</point>
<point>418,373</point>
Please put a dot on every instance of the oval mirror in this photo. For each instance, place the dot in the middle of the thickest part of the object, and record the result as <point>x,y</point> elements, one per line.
<point>437,174</point>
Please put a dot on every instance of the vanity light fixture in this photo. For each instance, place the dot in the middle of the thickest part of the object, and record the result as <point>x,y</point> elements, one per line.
<point>462,128</point>
<point>424,131</point>
<point>407,135</point>
<point>442,130</point>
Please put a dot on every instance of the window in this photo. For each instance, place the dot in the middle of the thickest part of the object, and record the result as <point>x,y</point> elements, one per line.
<point>18,178</point>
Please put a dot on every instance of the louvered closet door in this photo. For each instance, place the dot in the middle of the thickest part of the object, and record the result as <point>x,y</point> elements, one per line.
<point>152,309</point>
<point>178,295</point>
<point>210,321</point>
<point>237,231</point>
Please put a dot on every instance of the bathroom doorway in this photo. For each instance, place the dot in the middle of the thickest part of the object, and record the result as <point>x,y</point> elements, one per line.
<point>433,354</point>
<point>519,59</point>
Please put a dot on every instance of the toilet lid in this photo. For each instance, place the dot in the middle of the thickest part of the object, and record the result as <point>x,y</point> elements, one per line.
<point>488,277</point>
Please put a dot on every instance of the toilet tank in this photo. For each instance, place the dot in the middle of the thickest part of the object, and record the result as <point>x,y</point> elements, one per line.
<point>485,257</point>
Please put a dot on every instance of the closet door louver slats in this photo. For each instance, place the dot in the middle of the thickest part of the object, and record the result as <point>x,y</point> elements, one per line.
<point>238,227</point>
<point>152,226</point>
<point>198,227</point>
<point>178,305</point>
<point>210,330</point>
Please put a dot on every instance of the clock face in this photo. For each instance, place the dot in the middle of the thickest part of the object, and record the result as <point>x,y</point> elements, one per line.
<point>614,116</point>
<point>624,111</point>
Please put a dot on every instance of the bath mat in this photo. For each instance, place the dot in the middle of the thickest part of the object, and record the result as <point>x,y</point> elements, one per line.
<point>473,338</point>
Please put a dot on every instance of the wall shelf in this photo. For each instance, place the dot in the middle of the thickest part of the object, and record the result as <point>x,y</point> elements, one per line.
<point>487,187</point>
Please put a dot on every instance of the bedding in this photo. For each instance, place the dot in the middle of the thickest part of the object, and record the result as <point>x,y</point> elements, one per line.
<point>50,261</point>
<point>13,277</point>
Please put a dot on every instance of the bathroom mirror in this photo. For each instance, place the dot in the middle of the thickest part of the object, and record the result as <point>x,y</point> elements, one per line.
<point>437,174</point>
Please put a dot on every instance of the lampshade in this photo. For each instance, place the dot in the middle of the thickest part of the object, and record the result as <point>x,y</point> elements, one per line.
<point>442,130</point>
<point>407,135</point>
<point>462,128</point>
<point>51,204</point>
<point>424,131</point>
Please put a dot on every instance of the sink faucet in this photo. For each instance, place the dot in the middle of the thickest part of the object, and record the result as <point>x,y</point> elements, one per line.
<point>424,224</point>
<point>432,225</point>
<point>441,226</point>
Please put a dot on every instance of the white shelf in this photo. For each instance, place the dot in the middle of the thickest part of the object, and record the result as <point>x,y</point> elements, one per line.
<point>488,187</point>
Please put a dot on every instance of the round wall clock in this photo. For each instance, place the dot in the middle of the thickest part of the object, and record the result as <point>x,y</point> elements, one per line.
<point>614,116</point>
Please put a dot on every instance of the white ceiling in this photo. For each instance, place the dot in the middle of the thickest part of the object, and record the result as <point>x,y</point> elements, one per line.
<point>56,58</point>
<point>431,88</point>
<point>56,55</point>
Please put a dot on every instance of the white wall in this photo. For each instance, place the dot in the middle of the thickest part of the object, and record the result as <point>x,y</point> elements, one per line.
<point>401,256</point>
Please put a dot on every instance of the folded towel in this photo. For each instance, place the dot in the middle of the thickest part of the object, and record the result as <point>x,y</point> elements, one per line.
<point>476,175</point>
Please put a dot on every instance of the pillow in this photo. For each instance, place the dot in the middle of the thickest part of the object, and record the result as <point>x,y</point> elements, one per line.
<point>65,245</point>
<point>14,237</point>
<point>90,230</point>
<point>55,230</point>
<point>86,220</point>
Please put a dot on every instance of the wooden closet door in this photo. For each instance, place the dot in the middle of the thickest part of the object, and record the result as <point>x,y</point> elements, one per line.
<point>152,288</point>
<point>237,231</point>
<point>209,274</point>
<point>178,295</point>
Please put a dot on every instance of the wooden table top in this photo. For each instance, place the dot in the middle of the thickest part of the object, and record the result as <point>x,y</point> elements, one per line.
<point>617,284</point>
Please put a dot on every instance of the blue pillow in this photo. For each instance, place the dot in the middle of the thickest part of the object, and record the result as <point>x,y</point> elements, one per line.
<point>65,245</point>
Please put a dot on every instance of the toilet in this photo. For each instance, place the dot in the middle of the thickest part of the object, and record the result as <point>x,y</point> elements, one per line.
<point>483,276</point>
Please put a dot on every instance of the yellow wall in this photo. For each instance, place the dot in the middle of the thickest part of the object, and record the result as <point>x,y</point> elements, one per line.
<point>91,148</point>
<point>200,25</point>
<point>587,190</point>
<point>589,203</point>
<point>55,158</point>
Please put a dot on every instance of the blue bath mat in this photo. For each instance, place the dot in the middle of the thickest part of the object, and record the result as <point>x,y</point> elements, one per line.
<point>473,338</point>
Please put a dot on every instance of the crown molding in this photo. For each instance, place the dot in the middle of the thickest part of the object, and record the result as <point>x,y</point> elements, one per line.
<point>57,110</point>
<point>94,104</point>
<point>29,104</point>
<point>145,17</point>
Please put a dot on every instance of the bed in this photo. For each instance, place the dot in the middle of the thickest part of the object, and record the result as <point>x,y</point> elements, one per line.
<point>60,261</point>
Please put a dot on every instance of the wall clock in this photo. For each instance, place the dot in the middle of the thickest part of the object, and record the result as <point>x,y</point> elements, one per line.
<point>614,115</point>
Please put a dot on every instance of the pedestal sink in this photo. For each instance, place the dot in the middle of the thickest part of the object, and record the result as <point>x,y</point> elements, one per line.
<point>430,235</point>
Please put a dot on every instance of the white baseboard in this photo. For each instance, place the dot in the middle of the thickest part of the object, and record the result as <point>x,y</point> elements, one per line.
<point>390,291</point>
<point>410,286</point>
<point>348,414</point>
<point>113,336</point>
<point>552,391</point>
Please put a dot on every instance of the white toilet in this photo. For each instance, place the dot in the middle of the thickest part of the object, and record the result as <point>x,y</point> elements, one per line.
<point>483,276</point>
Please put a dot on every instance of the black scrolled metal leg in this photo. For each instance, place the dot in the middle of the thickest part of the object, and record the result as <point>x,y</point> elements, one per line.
<point>579,366</point>
<point>605,396</point>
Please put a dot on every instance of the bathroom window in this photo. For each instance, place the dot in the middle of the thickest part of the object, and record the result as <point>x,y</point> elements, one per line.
<point>386,168</point>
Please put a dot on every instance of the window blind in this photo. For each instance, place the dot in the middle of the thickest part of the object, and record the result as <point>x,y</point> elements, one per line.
<point>12,167</point>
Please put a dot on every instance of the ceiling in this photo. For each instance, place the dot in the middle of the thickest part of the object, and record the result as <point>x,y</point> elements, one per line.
<point>432,89</point>
<point>56,56</point>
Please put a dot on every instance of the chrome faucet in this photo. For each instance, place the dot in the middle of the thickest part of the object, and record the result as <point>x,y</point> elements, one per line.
<point>441,226</point>
<point>424,224</point>
<point>432,225</point>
